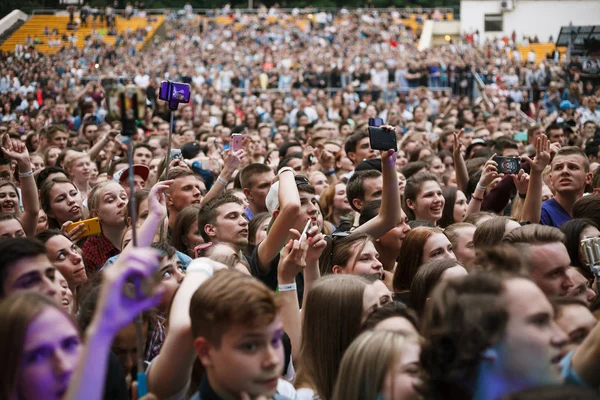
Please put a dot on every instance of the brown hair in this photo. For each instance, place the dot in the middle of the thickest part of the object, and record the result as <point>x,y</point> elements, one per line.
<point>425,280</point>
<point>185,219</point>
<point>573,150</point>
<point>490,232</point>
<point>413,188</point>
<point>339,251</point>
<point>463,318</point>
<point>17,311</point>
<point>588,207</point>
<point>250,171</point>
<point>9,183</point>
<point>326,201</point>
<point>501,258</point>
<point>367,363</point>
<point>411,256</point>
<point>94,195</point>
<point>230,298</point>
<point>451,231</point>
<point>46,201</point>
<point>534,234</point>
<point>478,216</point>
<point>328,330</point>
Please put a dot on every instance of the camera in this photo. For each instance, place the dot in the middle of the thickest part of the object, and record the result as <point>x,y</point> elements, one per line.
<point>174,93</point>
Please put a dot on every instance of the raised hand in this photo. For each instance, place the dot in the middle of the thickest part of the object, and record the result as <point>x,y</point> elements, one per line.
<point>542,155</point>
<point>273,160</point>
<point>233,160</point>
<point>326,158</point>
<point>73,234</point>
<point>116,307</point>
<point>521,181</point>
<point>293,258</point>
<point>16,150</point>
<point>457,143</point>
<point>156,199</point>
<point>489,172</point>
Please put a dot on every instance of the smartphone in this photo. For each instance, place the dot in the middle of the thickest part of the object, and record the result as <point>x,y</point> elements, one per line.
<point>376,122</point>
<point>92,227</point>
<point>175,92</point>
<point>520,136</point>
<point>236,141</point>
<point>508,165</point>
<point>175,154</point>
<point>382,139</point>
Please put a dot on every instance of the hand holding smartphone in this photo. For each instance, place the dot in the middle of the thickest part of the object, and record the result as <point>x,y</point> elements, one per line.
<point>236,141</point>
<point>508,165</point>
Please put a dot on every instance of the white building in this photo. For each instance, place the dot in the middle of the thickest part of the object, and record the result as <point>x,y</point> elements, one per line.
<point>499,18</point>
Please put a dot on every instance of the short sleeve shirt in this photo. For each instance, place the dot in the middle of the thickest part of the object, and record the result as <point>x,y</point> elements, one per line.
<point>269,278</point>
<point>553,214</point>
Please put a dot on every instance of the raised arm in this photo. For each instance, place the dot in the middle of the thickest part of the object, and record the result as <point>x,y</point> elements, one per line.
<point>100,144</point>
<point>462,176</point>
<point>171,370</point>
<point>532,207</point>
<point>327,163</point>
<point>31,203</point>
<point>291,263</point>
<point>288,212</point>
<point>489,173</point>
<point>157,211</point>
<point>232,162</point>
<point>389,213</point>
<point>115,310</point>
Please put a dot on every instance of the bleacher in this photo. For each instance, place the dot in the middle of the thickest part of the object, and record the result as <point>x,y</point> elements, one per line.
<point>35,25</point>
<point>540,50</point>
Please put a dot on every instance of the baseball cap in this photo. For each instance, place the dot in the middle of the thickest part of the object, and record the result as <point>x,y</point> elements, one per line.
<point>272,200</point>
<point>566,105</point>
<point>475,142</point>
<point>365,165</point>
<point>138,169</point>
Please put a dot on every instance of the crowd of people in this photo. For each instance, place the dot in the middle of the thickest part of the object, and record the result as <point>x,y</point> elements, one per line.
<point>299,262</point>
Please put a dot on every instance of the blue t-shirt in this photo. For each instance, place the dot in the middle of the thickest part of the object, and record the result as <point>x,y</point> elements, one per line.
<point>569,375</point>
<point>553,214</point>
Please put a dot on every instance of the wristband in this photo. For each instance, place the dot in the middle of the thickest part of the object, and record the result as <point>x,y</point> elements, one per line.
<point>522,195</point>
<point>282,170</point>
<point>477,198</point>
<point>481,187</point>
<point>222,181</point>
<point>287,288</point>
<point>26,174</point>
<point>329,173</point>
<point>200,267</point>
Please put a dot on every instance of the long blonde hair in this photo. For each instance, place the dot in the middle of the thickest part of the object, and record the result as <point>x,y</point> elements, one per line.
<point>366,363</point>
<point>333,312</point>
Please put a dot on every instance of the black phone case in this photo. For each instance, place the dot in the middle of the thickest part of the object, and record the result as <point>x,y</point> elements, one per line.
<point>381,139</point>
<point>508,165</point>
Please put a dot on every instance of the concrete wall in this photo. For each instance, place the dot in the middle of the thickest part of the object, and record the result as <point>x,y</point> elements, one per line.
<point>11,19</point>
<point>529,17</point>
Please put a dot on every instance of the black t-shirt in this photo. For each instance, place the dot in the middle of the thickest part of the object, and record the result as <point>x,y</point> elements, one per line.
<point>269,278</point>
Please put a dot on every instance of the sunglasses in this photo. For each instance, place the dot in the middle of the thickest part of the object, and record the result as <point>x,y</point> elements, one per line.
<point>334,237</point>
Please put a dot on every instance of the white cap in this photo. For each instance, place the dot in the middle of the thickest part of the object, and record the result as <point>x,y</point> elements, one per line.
<point>272,200</point>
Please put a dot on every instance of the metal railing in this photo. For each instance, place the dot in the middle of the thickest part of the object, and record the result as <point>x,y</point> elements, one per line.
<point>251,11</point>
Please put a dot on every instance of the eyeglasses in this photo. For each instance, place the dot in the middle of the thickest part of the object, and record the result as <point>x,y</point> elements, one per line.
<point>334,237</point>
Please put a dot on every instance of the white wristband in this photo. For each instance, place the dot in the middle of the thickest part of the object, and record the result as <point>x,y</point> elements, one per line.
<point>200,267</point>
<point>287,288</point>
<point>285,169</point>
<point>222,181</point>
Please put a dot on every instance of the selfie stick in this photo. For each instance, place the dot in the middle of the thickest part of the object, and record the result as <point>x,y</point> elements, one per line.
<point>129,131</point>
<point>173,104</point>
